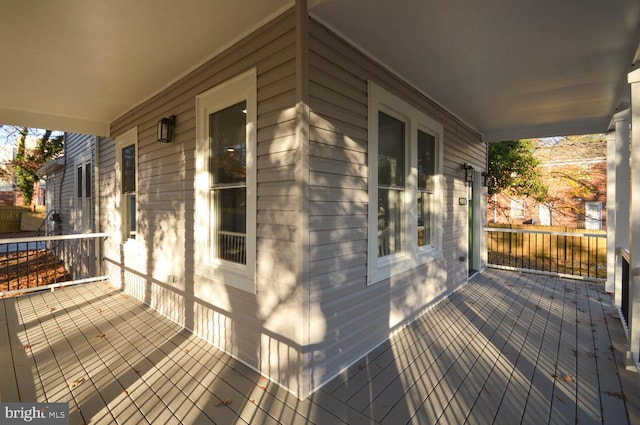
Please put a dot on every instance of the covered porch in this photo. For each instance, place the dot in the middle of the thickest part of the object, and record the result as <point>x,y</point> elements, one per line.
<point>506,348</point>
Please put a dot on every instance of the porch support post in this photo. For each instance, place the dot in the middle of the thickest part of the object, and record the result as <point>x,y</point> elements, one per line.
<point>610,286</point>
<point>618,206</point>
<point>633,351</point>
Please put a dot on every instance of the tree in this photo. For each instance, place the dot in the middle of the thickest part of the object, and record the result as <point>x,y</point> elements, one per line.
<point>513,169</point>
<point>28,161</point>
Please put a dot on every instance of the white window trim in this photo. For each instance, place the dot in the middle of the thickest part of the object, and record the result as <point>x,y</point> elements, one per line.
<point>79,220</point>
<point>412,255</point>
<point>516,206</point>
<point>598,219</point>
<point>126,139</point>
<point>242,276</point>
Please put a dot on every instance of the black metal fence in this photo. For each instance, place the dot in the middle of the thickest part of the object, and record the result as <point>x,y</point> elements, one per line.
<point>575,254</point>
<point>34,263</point>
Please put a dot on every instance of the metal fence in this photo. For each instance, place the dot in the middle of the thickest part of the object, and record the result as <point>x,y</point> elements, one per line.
<point>34,263</point>
<point>570,254</point>
<point>624,258</point>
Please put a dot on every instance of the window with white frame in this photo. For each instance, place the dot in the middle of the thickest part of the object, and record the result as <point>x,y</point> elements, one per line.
<point>126,159</point>
<point>405,194</point>
<point>517,208</point>
<point>226,182</point>
<point>83,192</point>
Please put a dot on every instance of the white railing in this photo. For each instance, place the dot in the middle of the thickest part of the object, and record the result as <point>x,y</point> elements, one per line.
<point>232,247</point>
<point>47,262</point>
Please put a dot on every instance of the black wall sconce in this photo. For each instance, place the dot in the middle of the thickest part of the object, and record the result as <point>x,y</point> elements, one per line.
<point>485,179</point>
<point>165,129</point>
<point>468,172</point>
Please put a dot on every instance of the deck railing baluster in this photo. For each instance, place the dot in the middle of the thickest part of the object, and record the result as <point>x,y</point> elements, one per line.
<point>48,261</point>
<point>537,251</point>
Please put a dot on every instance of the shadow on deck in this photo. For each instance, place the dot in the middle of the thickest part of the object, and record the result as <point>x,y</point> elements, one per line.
<point>506,348</point>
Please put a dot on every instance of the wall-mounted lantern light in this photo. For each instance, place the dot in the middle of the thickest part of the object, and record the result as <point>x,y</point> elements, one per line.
<point>468,172</point>
<point>165,129</point>
<point>485,178</point>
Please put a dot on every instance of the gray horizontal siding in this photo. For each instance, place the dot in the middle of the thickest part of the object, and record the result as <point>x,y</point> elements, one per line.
<point>358,316</point>
<point>75,145</point>
<point>166,199</point>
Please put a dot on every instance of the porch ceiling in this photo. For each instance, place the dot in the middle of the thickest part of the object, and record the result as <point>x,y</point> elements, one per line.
<point>78,64</point>
<point>508,69</point>
<point>511,69</point>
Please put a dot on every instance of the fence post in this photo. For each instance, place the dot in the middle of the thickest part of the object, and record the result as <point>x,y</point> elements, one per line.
<point>98,255</point>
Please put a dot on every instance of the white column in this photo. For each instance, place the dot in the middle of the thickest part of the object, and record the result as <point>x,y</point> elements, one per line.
<point>610,286</point>
<point>633,351</point>
<point>618,196</point>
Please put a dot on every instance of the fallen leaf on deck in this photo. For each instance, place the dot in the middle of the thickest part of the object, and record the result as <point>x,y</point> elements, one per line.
<point>225,402</point>
<point>99,336</point>
<point>567,378</point>
<point>186,351</point>
<point>362,366</point>
<point>616,395</point>
<point>486,390</point>
<point>560,399</point>
<point>76,383</point>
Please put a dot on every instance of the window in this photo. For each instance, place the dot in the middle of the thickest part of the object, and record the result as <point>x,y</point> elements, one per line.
<point>83,198</point>
<point>593,215</point>
<point>405,211</point>
<point>228,187</point>
<point>126,148</point>
<point>517,209</point>
<point>226,182</point>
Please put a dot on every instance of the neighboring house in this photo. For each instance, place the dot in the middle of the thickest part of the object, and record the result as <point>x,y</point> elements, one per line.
<point>575,173</point>
<point>300,215</point>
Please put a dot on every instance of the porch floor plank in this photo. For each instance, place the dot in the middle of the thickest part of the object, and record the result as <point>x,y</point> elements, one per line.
<point>506,348</point>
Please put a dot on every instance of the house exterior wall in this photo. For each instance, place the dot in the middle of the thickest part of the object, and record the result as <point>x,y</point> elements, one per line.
<point>260,329</point>
<point>358,316</point>
<point>313,313</point>
<point>61,187</point>
<point>76,146</point>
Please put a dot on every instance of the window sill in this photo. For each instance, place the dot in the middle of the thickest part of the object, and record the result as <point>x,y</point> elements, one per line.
<point>402,263</point>
<point>229,274</point>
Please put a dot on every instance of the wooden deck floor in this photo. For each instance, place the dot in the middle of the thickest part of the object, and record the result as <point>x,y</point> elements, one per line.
<point>505,349</point>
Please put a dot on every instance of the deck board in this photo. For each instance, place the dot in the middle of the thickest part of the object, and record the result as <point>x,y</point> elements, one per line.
<point>506,348</point>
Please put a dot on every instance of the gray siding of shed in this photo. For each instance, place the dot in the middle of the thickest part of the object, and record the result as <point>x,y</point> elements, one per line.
<point>261,330</point>
<point>359,317</point>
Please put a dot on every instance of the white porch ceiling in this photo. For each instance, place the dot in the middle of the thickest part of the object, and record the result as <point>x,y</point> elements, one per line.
<point>77,65</point>
<point>510,69</point>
